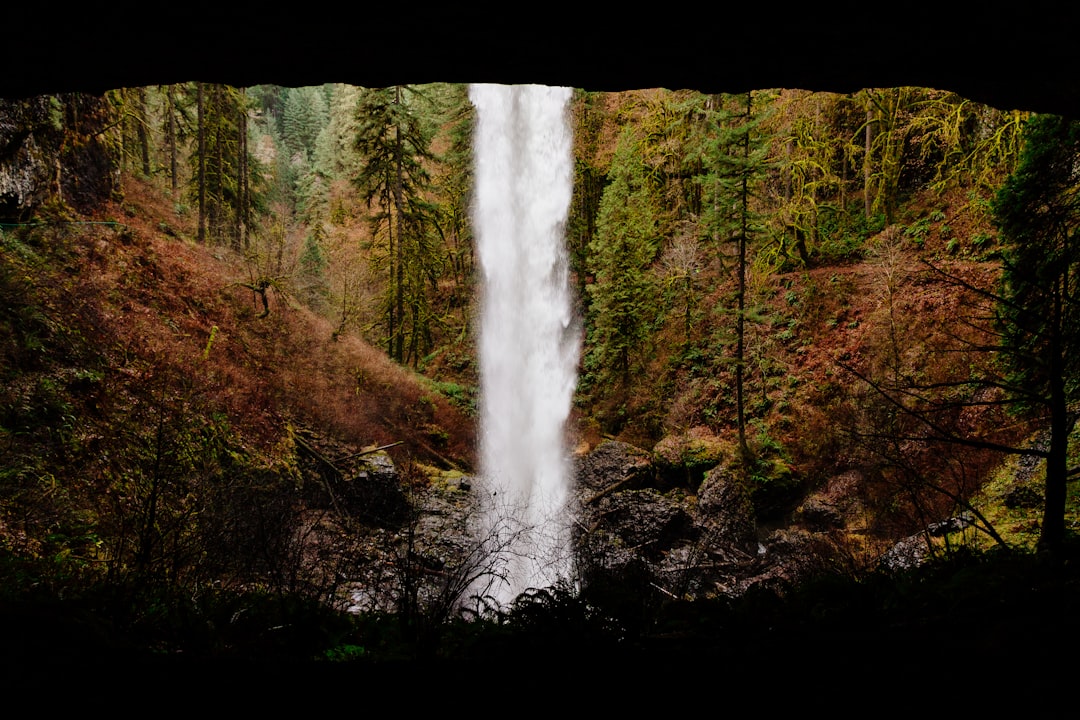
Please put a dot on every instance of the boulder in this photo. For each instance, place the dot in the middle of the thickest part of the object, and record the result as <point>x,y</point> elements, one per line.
<point>372,491</point>
<point>833,506</point>
<point>685,458</point>
<point>644,519</point>
<point>1023,496</point>
<point>614,464</point>
<point>727,511</point>
<point>819,516</point>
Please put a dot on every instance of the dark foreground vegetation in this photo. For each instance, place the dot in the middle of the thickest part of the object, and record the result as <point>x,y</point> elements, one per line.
<point>955,623</point>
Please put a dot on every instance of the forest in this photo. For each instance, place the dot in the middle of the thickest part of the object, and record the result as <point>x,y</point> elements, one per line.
<point>219,302</point>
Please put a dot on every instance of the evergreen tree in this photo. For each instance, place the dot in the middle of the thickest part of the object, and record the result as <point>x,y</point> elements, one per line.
<point>624,300</point>
<point>304,115</point>
<point>222,169</point>
<point>589,173</point>
<point>1038,213</point>
<point>736,166</point>
<point>394,145</point>
<point>455,182</point>
<point>177,125</point>
<point>335,151</point>
<point>311,281</point>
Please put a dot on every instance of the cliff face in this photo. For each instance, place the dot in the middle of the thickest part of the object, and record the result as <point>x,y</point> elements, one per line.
<point>53,147</point>
<point>24,166</point>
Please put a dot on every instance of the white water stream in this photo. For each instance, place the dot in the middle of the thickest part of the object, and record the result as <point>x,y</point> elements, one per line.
<point>529,339</point>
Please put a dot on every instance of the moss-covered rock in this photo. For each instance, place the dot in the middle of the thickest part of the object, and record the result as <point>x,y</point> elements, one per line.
<point>684,459</point>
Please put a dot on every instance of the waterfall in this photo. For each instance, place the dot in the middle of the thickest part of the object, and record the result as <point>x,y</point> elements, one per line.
<point>529,338</point>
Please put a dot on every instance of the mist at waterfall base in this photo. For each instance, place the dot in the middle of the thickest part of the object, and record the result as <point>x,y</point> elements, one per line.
<point>529,338</point>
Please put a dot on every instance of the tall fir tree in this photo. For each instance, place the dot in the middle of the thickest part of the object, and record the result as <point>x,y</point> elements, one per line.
<point>735,168</point>
<point>624,300</point>
<point>222,179</point>
<point>1038,213</point>
<point>394,145</point>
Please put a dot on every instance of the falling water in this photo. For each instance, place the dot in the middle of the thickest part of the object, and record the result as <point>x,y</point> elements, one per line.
<point>529,341</point>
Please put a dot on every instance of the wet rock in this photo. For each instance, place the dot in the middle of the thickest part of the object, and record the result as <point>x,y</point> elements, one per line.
<point>53,145</point>
<point>785,558</point>
<point>684,459</point>
<point>908,553</point>
<point>365,486</point>
<point>644,519</point>
<point>819,516</point>
<point>24,163</point>
<point>372,491</point>
<point>915,549</point>
<point>950,525</point>
<point>614,464</point>
<point>727,510</point>
<point>834,506</point>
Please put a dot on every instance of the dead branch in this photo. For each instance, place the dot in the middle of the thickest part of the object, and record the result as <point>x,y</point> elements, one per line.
<point>370,451</point>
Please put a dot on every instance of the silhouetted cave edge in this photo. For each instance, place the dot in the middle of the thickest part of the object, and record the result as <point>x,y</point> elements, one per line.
<point>1020,59</point>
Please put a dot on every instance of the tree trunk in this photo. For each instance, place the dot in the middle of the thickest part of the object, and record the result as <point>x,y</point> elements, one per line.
<point>201,101</point>
<point>240,232</point>
<point>1052,536</point>
<point>217,226</point>
<point>399,296</point>
<point>740,316</point>
<point>140,131</point>
<point>868,205</point>
<point>170,135</point>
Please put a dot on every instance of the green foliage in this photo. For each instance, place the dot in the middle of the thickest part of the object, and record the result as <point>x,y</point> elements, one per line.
<point>313,259</point>
<point>918,230</point>
<point>589,179</point>
<point>1038,213</point>
<point>461,396</point>
<point>311,280</point>
<point>807,153</point>
<point>735,165</point>
<point>345,653</point>
<point>624,297</point>
<point>304,115</point>
<point>773,483</point>
<point>1038,321</point>
<point>395,145</point>
<point>225,176</point>
<point>335,154</point>
<point>455,180</point>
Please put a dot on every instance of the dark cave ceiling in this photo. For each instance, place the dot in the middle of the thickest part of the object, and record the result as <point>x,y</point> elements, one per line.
<point>1011,57</point>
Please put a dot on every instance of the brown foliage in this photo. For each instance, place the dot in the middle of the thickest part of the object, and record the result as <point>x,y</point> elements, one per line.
<point>183,303</point>
<point>148,413</point>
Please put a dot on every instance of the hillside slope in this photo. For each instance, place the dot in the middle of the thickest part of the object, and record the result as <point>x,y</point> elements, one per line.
<point>150,406</point>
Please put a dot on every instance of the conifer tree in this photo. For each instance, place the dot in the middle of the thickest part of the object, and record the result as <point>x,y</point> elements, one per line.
<point>624,301</point>
<point>177,125</point>
<point>335,151</point>
<point>304,115</point>
<point>223,170</point>
<point>736,166</point>
<point>394,145</point>
<point>1038,213</point>
<point>130,106</point>
<point>311,281</point>
<point>589,174</point>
